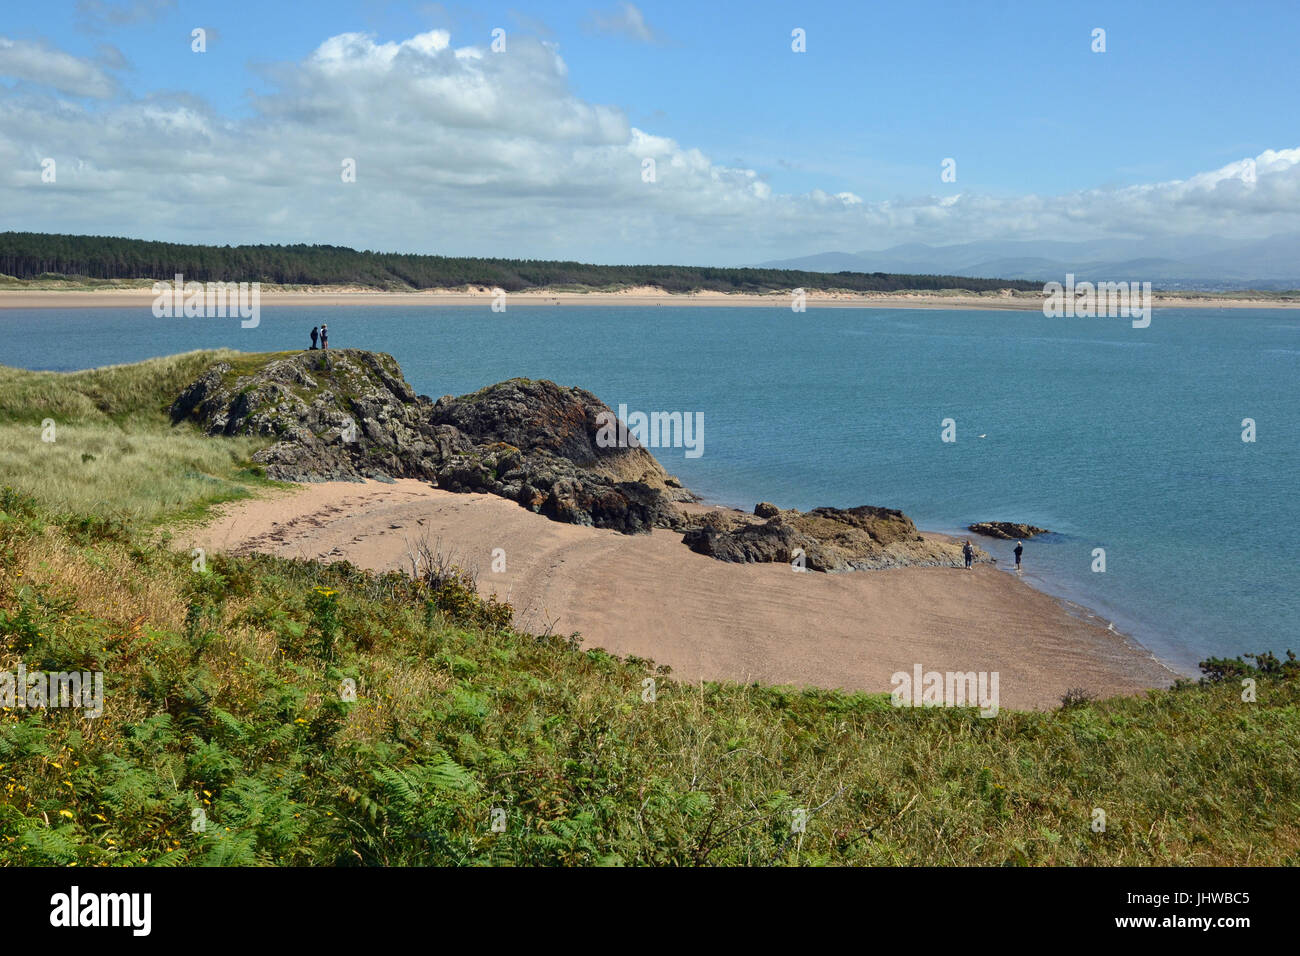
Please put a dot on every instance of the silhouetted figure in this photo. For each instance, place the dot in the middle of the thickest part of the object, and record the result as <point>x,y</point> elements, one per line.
<point>1020,547</point>
<point>968,553</point>
<point>315,334</point>
<point>324,336</point>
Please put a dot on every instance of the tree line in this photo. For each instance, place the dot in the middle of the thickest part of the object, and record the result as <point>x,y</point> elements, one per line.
<point>32,255</point>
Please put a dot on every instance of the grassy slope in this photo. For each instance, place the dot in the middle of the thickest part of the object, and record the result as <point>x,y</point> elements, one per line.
<point>114,450</point>
<point>223,694</point>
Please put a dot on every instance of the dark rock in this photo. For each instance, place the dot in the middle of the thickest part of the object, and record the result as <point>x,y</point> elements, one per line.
<point>1007,530</point>
<point>754,543</point>
<point>765,509</point>
<point>350,414</point>
<point>831,539</point>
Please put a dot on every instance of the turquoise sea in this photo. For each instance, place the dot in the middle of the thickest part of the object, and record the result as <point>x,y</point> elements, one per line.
<point>1118,438</point>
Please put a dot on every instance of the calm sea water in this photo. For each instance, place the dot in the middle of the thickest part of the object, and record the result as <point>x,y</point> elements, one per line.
<point>1117,438</point>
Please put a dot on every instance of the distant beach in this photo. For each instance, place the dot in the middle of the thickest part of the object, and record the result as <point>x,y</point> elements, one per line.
<point>330,296</point>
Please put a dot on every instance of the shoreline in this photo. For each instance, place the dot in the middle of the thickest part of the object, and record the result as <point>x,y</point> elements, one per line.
<point>1057,590</point>
<point>1061,594</point>
<point>650,596</point>
<point>343,297</point>
<point>1117,620</point>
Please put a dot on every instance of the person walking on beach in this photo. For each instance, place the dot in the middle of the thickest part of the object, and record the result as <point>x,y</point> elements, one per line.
<point>968,553</point>
<point>1020,547</point>
<point>315,334</point>
<point>324,336</point>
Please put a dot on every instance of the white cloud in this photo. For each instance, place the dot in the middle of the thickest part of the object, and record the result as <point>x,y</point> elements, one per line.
<point>465,151</point>
<point>37,63</point>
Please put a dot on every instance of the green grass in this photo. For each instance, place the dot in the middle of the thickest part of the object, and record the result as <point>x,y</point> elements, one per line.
<point>100,441</point>
<point>223,696</point>
<point>149,474</point>
<point>113,393</point>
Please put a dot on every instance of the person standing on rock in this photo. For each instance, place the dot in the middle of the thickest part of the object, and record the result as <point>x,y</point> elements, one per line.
<point>968,553</point>
<point>324,336</point>
<point>1020,547</point>
<point>315,334</point>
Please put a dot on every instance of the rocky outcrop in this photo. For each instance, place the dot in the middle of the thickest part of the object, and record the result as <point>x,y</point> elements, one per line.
<point>350,414</point>
<point>535,442</point>
<point>829,539</point>
<point>341,415</point>
<point>1006,530</point>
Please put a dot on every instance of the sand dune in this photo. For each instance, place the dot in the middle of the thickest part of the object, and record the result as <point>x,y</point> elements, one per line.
<point>649,595</point>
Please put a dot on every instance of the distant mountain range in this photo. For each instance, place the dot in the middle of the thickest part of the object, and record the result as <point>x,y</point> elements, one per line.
<point>1196,263</point>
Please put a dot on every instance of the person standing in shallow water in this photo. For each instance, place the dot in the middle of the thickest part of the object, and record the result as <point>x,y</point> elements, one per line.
<point>315,334</point>
<point>324,336</point>
<point>1020,547</point>
<point>968,553</point>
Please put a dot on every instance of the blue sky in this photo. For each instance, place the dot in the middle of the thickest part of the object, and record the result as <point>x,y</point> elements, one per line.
<point>1036,121</point>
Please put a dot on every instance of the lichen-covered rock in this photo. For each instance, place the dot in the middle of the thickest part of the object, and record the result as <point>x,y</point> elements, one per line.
<point>350,414</point>
<point>765,509</point>
<point>345,414</point>
<point>1007,530</point>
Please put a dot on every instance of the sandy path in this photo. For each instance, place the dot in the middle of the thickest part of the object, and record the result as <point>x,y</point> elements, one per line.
<point>649,595</point>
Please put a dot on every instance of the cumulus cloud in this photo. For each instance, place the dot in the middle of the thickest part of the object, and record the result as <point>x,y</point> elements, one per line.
<point>38,63</point>
<point>460,150</point>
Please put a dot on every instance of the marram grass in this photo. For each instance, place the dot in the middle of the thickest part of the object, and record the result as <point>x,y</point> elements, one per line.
<point>99,442</point>
<point>147,474</point>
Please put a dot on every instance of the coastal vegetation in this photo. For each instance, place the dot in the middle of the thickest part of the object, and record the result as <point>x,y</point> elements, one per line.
<point>58,259</point>
<point>99,442</point>
<point>261,710</point>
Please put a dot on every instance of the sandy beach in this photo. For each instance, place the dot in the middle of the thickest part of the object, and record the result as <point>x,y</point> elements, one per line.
<point>651,596</point>
<point>643,296</point>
